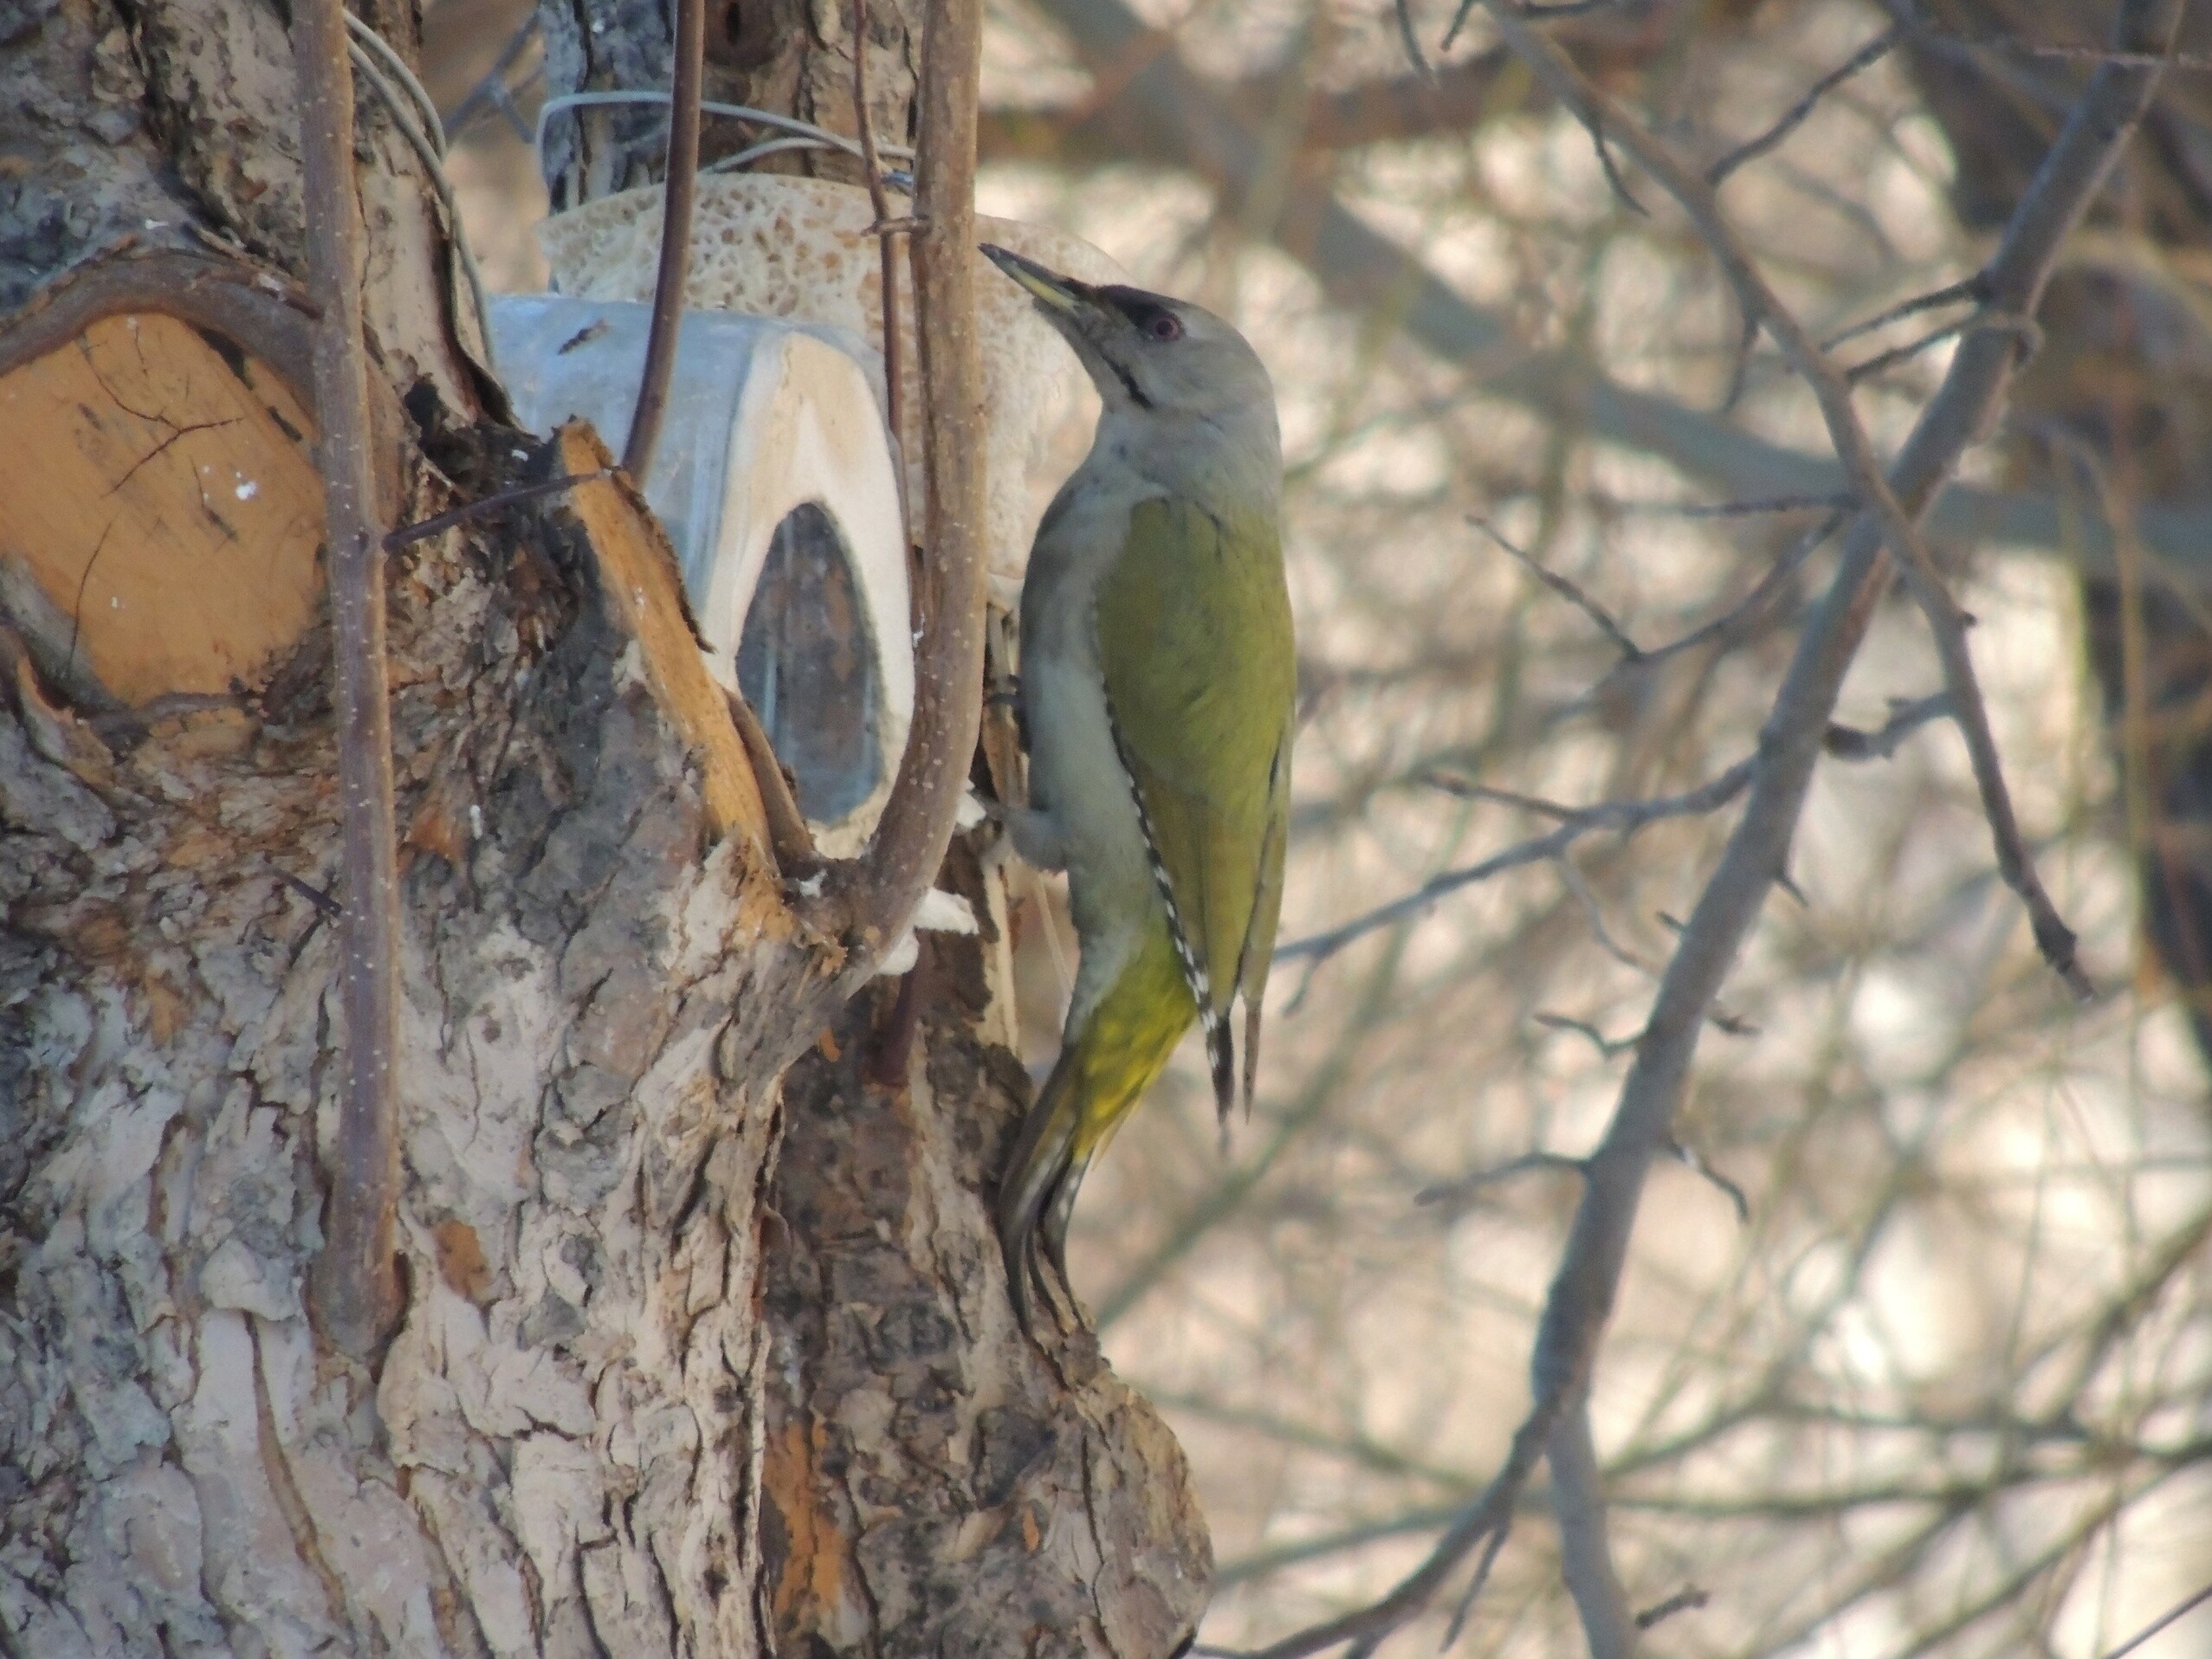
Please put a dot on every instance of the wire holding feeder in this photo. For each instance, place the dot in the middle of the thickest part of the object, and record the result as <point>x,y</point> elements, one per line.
<point>799,134</point>
<point>415,113</point>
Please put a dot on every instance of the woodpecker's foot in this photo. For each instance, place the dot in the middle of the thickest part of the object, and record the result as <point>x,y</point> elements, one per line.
<point>1037,834</point>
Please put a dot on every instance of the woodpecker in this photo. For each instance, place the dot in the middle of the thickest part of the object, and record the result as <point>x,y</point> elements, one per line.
<point>1158,691</point>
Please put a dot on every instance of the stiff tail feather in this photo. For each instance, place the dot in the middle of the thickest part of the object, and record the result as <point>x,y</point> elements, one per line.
<point>1105,1065</point>
<point>1041,1177</point>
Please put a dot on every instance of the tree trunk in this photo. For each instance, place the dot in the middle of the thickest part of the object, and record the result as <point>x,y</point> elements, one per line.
<point>654,1392</point>
<point>793,57</point>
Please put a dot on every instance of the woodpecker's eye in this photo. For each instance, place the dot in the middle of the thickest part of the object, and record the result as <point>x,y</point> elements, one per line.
<point>1164,327</point>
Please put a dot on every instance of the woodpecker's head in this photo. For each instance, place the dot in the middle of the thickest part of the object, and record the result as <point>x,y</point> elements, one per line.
<point>1149,353</point>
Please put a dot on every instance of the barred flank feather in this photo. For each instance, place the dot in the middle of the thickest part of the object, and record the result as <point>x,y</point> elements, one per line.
<point>1221,1044</point>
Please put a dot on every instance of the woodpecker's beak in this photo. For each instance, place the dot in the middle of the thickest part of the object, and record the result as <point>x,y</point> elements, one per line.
<point>1054,293</point>
<point>1096,322</point>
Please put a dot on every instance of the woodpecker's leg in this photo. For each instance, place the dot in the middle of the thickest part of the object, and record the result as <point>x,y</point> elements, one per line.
<point>1038,835</point>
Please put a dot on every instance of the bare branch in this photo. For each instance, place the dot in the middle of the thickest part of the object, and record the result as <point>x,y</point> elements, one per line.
<point>1584,1553</point>
<point>1565,589</point>
<point>491,90</point>
<point>1746,509</point>
<point>1849,743</point>
<point>356,1290</point>
<point>1390,109</point>
<point>888,254</point>
<point>2165,1621</point>
<point>680,191</point>
<point>1479,1522</point>
<point>1738,616</point>
<point>1453,1196</point>
<point>2056,51</point>
<point>1161,104</point>
<point>1607,1048</point>
<point>1594,912</point>
<point>909,843</point>
<point>1882,362</point>
<point>1627,816</point>
<point>1690,1159</point>
<point>1468,790</point>
<point>1580,1298</point>
<point>1945,621</point>
<point>1682,1601</point>
<point>1410,38</point>
<point>1865,58</point>
<point>1952,294</point>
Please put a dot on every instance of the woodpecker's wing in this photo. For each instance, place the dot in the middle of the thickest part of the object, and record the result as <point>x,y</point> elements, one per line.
<point>1201,683</point>
<point>1267,906</point>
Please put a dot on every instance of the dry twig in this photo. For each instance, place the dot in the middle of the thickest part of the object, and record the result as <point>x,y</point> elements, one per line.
<point>887,251</point>
<point>356,1290</point>
<point>491,90</point>
<point>1764,308</point>
<point>1626,817</point>
<point>909,841</point>
<point>1580,1301</point>
<point>468,512</point>
<point>1566,589</point>
<point>680,191</point>
<point>1865,58</point>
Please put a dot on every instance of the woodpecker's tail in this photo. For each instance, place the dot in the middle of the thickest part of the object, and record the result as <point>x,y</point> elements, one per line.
<point>1108,1058</point>
<point>1040,1181</point>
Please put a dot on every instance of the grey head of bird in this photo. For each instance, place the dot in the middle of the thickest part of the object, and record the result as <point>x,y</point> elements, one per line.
<point>1164,367</point>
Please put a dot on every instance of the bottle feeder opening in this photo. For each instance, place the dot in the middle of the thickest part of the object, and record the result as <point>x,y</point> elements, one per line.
<point>775,478</point>
<point>806,662</point>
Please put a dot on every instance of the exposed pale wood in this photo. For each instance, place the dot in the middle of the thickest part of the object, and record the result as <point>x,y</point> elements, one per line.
<point>788,835</point>
<point>160,494</point>
<point>643,591</point>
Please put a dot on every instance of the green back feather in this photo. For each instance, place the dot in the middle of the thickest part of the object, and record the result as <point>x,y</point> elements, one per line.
<point>1202,678</point>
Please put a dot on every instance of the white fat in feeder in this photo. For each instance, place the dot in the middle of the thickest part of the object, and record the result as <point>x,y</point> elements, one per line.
<point>774,478</point>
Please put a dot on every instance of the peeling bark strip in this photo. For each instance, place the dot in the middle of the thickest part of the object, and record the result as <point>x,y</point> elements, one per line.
<point>643,587</point>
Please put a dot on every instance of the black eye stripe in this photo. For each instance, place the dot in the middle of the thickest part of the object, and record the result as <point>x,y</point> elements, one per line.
<point>1139,307</point>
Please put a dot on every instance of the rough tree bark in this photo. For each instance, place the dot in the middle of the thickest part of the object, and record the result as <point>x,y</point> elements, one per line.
<point>789,56</point>
<point>655,1390</point>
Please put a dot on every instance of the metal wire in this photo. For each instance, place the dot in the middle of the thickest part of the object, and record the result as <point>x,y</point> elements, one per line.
<point>820,136</point>
<point>377,63</point>
<point>770,147</point>
<point>395,66</point>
